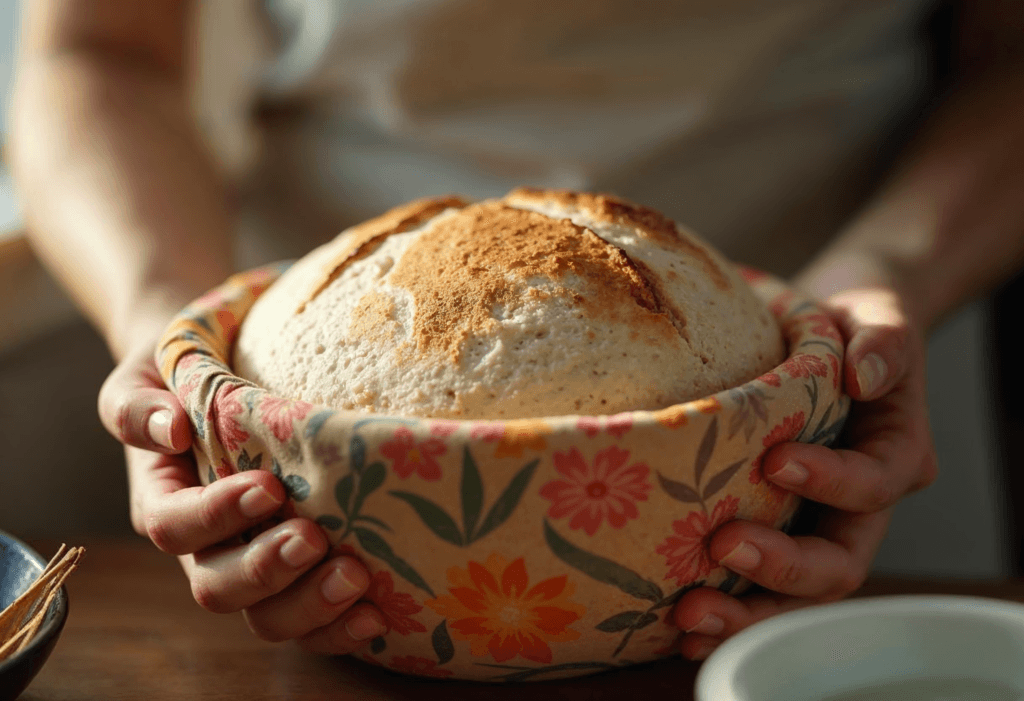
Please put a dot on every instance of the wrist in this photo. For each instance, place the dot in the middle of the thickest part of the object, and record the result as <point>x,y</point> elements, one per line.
<point>139,323</point>
<point>846,271</point>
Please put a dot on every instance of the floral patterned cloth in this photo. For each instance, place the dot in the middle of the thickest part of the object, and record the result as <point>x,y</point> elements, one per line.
<point>525,549</point>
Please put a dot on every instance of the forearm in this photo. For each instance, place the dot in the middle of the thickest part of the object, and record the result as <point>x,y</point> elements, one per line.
<point>949,222</point>
<point>121,199</point>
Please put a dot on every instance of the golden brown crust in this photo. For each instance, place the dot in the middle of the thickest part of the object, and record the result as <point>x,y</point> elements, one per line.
<point>364,238</point>
<point>464,267</point>
<point>616,210</point>
<point>374,316</point>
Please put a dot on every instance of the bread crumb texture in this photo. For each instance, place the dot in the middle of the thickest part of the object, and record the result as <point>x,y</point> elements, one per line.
<point>542,303</point>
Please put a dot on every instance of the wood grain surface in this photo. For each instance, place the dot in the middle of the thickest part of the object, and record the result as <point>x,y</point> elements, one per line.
<point>134,632</point>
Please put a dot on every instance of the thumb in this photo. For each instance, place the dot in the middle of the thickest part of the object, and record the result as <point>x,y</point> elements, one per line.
<point>879,339</point>
<point>137,409</point>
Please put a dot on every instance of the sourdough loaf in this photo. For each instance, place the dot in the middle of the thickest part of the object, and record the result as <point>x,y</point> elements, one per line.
<point>542,303</point>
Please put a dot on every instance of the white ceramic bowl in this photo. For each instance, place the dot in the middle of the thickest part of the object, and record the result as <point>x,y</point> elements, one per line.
<point>832,650</point>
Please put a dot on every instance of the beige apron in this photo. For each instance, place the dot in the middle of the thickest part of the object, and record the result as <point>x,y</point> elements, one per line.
<point>759,123</point>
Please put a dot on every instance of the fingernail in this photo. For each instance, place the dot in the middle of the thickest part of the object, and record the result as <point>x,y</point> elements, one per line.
<point>363,627</point>
<point>297,551</point>
<point>743,557</point>
<point>792,473</point>
<point>704,651</point>
<point>709,625</point>
<point>257,502</point>
<point>871,371</point>
<point>159,428</point>
<point>346,581</point>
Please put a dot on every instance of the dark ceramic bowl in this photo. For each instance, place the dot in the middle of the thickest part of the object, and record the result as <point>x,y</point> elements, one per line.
<point>20,565</point>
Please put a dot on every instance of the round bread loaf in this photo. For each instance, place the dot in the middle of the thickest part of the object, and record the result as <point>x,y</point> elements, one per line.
<point>542,303</point>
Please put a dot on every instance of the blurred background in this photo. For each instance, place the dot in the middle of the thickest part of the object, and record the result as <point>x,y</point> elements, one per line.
<point>61,475</point>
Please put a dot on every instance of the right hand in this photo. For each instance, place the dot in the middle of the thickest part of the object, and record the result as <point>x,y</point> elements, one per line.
<point>280,580</point>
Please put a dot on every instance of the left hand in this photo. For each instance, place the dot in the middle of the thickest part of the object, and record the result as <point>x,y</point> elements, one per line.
<point>890,455</point>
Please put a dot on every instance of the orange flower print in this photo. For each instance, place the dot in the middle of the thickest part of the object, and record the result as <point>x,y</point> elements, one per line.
<point>686,552</point>
<point>676,416</point>
<point>493,607</point>
<point>804,365</point>
<point>408,456</point>
<point>607,489</point>
<point>409,664</point>
<point>707,405</point>
<point>224,409</point>
<point>278,414</point>
<point>520,436</point>
<point>397,607</point>
<point>672,417</point>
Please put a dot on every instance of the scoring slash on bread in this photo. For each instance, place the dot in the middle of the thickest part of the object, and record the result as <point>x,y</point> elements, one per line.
<point>541,303</point>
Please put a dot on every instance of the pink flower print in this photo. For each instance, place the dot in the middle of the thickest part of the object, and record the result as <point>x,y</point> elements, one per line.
<point>408,456</point>
<point>804,365</point>
<point>224,468</point>
<point>619,424</point>
<point>397,607</point>
<point>606,489</point>
<point>279,414</point>
<point>834,362</point>
<point>751,275</point>
<point>823,325</point>
<point>420,666</point>
<point>225,408</point>
<point>187,361</point>
<point>686,552</point>
<point>771,378</point>
<point>590,425</point>
<point>488,430</point>
<point>443,428</point>
<point>781,303</point>
<point>786,431</point>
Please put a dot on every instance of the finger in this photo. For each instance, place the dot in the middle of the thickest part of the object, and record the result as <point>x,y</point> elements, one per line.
<point>137,409</point>
<point>229,579</point>
<point>358,626</point>
<point>170,507</point>
<point>708,617</point>
<point>879,350</point>
<point>314,601</point>
<point>829,565</point>
<point>891,454</point>
<point>844,479</point>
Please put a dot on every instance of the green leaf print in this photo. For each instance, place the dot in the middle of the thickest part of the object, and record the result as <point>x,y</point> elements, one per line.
<point>378,547</point>
<point>601,569</point>
<point>433,516</point>
<point>508,500</point>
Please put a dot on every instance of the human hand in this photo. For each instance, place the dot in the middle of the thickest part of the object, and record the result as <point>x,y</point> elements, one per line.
<point>890,455</point>
<point>280,580</point>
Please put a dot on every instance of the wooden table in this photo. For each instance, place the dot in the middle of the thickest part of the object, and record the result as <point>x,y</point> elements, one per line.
<point>135,633</point>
